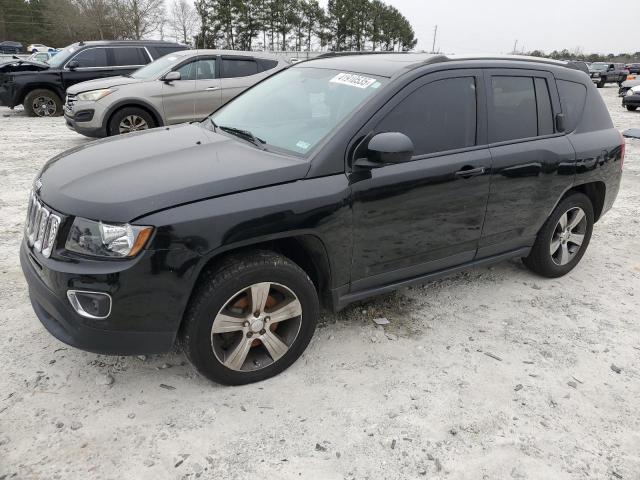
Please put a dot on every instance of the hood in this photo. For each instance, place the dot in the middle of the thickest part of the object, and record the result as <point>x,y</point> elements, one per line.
<point>122,178</point>
<point>22,66</point>
<point>99,83</point>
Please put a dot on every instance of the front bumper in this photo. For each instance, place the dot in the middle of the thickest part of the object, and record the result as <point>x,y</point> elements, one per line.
<point>85,118</point>
<point>135,326</point>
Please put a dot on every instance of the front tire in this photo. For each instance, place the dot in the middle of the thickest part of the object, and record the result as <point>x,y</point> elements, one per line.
<point>42,103</point>
<point>632,108</point>
<point>130,119</point>
<point>564,237</point>
<point>250,319</point>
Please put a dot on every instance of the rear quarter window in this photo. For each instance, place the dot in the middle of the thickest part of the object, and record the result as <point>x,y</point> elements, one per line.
<point>572,98</point>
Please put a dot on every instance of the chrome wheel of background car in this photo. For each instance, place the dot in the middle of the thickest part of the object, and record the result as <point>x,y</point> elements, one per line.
<point>568,236</point>
<point>44,106</point>
<point>256,327</point>
<point>132,123</point>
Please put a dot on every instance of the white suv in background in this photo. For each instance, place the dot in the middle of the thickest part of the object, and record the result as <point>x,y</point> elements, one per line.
<point>180,87</point>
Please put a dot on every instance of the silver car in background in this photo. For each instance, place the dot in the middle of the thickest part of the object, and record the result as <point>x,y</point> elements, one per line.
<point>180,87</point>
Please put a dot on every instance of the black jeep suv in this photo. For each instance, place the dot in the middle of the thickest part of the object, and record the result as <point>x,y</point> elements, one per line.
<point>332,181</point>
<point>41,87</point>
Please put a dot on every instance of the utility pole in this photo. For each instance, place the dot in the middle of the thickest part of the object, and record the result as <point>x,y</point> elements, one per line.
<point>515,46</point>
<point>435,33</point>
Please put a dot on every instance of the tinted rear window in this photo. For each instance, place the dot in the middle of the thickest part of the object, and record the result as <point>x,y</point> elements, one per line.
<point>513,115</point>
<point>161,51</point>
<point>126,56</point>
<point>267,64</point>
<point>437,117</point>
<point>92,57</point>
<point>572,98</point>
<point>232,68</point>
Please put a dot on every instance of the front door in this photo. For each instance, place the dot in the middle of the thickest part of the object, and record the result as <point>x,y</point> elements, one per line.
<point>427,214</point>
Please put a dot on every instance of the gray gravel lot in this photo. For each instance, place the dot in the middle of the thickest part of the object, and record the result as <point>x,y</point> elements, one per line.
<point>493,373</point>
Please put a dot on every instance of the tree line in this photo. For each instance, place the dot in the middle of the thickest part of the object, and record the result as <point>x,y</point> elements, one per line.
<point>577,54</point>
<point>302,25</point>
<point>233,24</point>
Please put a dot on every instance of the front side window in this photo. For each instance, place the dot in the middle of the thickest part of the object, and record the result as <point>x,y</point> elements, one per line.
<point>233,68</point>
<point>204,69</point>
<point>129,56</point>
<point>436,117</point>
<point>512,113</point>
<point>295,109</point>
<point>91,58</point>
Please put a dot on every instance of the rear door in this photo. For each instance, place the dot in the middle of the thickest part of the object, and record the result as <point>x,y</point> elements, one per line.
<point>532,164</point>
<point>426,214</point>
<point>125,60</point>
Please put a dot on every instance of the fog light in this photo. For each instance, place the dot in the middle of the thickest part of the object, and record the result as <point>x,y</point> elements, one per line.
<point>94,305</point>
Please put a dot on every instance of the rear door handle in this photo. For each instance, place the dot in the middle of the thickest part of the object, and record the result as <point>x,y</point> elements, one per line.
<point>468,172</point>
<point>211,88</point>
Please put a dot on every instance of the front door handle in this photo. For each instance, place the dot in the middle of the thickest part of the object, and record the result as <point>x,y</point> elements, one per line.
<point>468,171</point>
<point>211,88</point>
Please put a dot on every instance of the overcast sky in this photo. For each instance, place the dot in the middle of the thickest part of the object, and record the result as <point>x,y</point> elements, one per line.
<point>492,26</point>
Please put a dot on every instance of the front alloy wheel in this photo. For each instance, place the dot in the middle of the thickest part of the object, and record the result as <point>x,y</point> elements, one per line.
<point>43,106</point>
<point>250,318</point>
<point>256,327</point>
<point>132,123</point>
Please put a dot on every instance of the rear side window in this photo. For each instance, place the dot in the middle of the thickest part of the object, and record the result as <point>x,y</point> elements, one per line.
<point>513,114</point>
<point>232,68</point>
<point>128,56</point>
<point>543,103</point>
<point>267,64</point>
<point>437,117</point>
<point>572,98</point>
<point>92,57</point>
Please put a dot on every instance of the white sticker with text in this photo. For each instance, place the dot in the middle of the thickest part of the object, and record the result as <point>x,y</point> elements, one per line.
<point>353,80</point>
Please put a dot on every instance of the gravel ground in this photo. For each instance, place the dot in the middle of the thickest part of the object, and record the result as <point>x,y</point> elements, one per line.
<point>493,373</point>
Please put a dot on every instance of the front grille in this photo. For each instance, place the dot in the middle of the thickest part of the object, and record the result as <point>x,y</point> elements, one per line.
<point>41,226</point>
<point>71,99</point>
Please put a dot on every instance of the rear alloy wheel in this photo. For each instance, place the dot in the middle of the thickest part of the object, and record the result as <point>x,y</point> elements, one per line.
<point>564,237</point>
<point>42,103</point>
<point>250,318</point>
<point>130,119</point>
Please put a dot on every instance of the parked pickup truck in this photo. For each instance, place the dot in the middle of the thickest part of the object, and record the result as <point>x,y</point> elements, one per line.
<point>602,73</point>
<point>41,87</point>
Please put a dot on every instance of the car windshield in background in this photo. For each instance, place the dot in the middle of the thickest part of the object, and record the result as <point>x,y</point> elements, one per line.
<point>599,66</point>
<point>155,69</point>
<point>62,56</point>
<point>297,108</point>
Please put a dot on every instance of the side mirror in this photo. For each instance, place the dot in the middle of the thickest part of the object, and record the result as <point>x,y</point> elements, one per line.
<point>560,124</point>
<point>73,64</point>
<point>171,77</point>
<point>386,148</point>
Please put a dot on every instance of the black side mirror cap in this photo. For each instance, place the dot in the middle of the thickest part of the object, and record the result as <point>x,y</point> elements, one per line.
<point>560,123</point>
<point>73,64</point>
<point>387,148</point>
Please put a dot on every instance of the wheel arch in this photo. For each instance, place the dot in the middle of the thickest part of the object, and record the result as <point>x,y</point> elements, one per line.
<point>596,191</point>
<point>150,109</point>
<point>27,89</point>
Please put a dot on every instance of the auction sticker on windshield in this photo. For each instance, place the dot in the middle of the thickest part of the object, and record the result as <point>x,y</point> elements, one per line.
<point>353,80</point>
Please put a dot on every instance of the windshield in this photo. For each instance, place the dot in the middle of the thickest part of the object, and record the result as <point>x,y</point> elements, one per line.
<point>295,109</point>
<point>62,56</point>
<point>599,66</point>
<point>155,69</point>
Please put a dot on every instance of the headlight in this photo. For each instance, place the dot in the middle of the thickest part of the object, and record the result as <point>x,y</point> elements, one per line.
<point>95,95</point>
<point>630,92</point>
<point>106,240</point>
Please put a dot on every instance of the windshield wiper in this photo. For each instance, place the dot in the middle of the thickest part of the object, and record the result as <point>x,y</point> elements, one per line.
<point>245,134</point>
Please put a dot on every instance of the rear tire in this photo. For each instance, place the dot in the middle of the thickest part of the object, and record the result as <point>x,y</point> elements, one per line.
<point>632,108</point>
<point>558,249</point>
<point>42,103</point>
<point>601,83</point>
<point>130,119</point>
<point>231,336</point>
